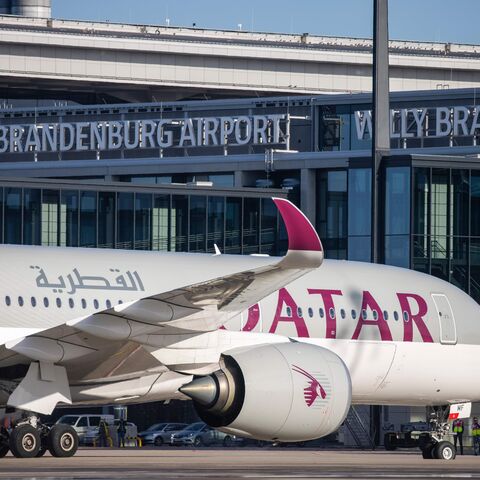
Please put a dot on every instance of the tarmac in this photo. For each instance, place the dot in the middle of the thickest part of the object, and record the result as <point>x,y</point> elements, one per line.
<point>241,463</point>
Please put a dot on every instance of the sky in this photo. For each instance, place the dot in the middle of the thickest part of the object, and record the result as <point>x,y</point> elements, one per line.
<point>453,21</point>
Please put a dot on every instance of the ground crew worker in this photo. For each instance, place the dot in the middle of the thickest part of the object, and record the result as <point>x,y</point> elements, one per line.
<point>458,433</point>
<point>103,433</point>
<point>121,431</point>
<point>476,436</point>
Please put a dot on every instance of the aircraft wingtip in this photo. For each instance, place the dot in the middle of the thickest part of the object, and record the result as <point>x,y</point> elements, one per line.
<point>301,233</point>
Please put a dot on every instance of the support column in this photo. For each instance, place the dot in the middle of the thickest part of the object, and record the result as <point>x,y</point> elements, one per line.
<point>380,118</point>
<point>380,149</point>
<point>238,179</point>
<point>308,192</point>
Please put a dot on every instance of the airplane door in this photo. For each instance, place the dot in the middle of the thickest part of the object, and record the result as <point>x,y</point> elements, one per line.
<point>448,330</point>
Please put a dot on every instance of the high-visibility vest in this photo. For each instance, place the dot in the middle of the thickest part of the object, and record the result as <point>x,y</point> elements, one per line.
<point>457,426</point>
<point>475,430</point>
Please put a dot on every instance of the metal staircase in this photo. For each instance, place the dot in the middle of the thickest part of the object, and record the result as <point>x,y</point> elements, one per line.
<point>358,430</point>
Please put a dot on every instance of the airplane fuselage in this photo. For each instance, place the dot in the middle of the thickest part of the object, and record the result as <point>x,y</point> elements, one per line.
<point>406,338</point>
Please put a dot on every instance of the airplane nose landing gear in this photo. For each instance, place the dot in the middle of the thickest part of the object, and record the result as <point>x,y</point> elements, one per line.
<point>432,443</point>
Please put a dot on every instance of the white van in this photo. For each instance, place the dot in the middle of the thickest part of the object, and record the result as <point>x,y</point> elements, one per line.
<point>83,424</point>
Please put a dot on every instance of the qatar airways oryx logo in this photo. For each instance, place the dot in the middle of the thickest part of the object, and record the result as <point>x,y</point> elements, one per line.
<point>313,390</point>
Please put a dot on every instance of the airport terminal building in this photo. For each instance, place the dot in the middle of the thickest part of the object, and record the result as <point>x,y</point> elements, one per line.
<point>316,150</point>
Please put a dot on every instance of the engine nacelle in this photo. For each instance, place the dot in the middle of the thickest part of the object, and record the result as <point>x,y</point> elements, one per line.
<point>285,392</point>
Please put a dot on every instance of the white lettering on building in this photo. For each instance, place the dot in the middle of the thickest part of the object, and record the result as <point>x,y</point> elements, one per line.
<point>436,122</point>
<point>153,134</point>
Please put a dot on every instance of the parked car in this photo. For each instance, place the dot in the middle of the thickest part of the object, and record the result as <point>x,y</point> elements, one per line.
<point>199,434</point>
<point>84,424</point>
<point>160,433</point>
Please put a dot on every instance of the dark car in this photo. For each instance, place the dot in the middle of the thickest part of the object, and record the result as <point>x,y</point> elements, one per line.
<point>160,433</point>
<point>199,434</point>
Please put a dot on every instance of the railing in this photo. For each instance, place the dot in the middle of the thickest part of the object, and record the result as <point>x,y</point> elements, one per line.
<point>357,429</point>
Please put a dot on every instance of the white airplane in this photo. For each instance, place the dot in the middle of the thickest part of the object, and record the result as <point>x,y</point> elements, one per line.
<point>268,348</point>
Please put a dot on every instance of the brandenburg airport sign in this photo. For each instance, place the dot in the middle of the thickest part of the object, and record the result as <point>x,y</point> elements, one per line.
<point>135,134</point>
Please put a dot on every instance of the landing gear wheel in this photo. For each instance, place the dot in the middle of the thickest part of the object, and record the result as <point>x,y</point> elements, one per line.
<point>62,441</point>
<point>158,442</point>
<point>198,442</point>
<point>4,449</point>
<point>25,441</point>
<point>427,451</point>
<point>42,451</point>
<point>444,451</point>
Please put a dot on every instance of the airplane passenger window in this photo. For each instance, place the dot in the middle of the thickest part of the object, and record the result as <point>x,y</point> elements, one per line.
<point>84,303</point>
<point>95,303</point>
<point>331,313</point>
<point>289,312</point>
<point>109,304</point>
<point>45,302</point>
<point>33,301</point>
<point>20,301</point>
<point>70,302</point>
<point>321,312</point>
<point>395,316</point>
<point>59,303</point>
<point>310,312</point>
<point>406,317</point>
<point>354,314</point>
<point>364,314</point>
<point>342,313</point>
<point>120,302</point>
<point>375,315</point>
<point>299,312</point>
<point>385,315</point>
<point>8,301</point>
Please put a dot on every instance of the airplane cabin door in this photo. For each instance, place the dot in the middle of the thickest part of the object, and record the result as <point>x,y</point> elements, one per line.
<point>448,330</point>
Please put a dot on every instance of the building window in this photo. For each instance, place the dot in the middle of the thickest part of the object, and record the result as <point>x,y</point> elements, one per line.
<point>332,207</point>
<point>359,213</point>
<point>397,216</point>
<point>50,220</point>
<point>143,221</point>
<point>251,224</point>
<point>88,219</point>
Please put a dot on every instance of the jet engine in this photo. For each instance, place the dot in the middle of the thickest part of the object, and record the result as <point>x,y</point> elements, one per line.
<point>283,392</point>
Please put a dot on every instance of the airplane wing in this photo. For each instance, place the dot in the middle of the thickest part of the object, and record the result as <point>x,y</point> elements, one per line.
<point>109,344</point>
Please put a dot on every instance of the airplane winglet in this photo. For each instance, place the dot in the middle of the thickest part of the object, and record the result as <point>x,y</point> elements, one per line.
<point>304,245</point>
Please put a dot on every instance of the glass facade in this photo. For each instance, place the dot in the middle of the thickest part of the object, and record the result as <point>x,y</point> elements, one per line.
<point>446,232</point>
<point>138,220</point>
<point>359,214</point>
